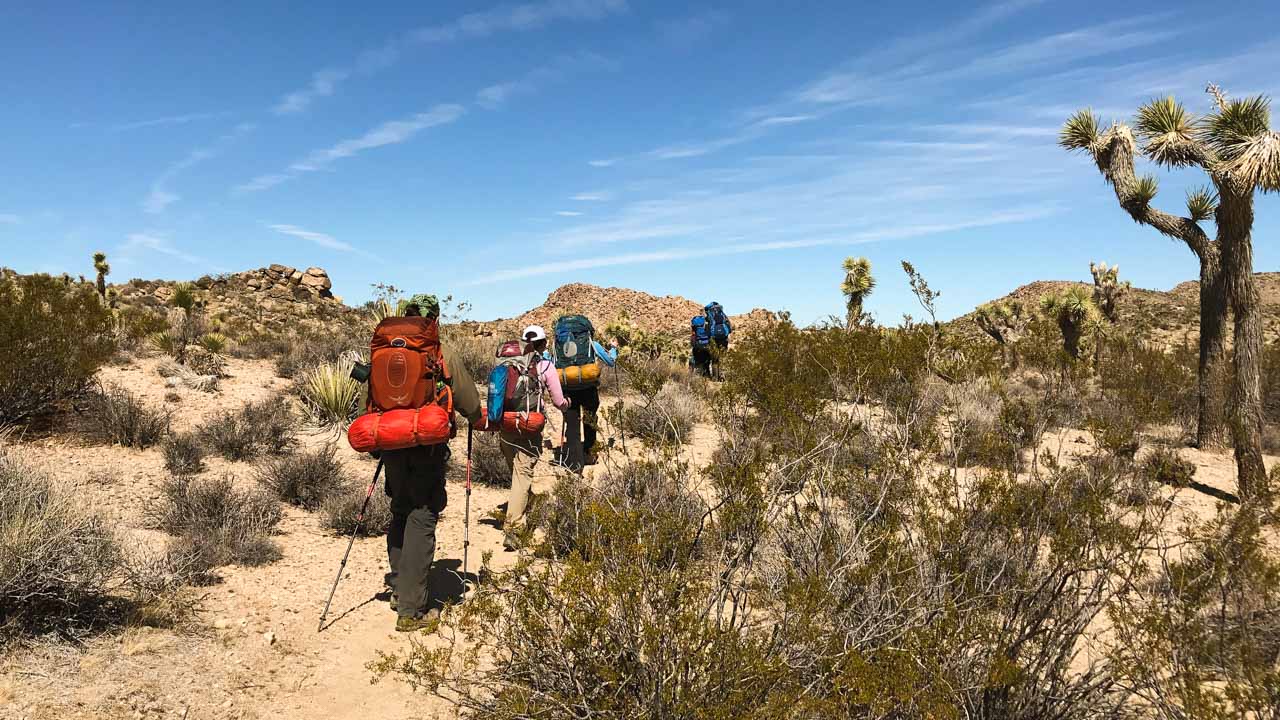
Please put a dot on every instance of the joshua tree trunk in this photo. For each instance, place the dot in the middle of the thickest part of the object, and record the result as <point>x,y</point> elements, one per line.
<point>1235,223</point>
<point>853,313</point>
<point>1211,375</point>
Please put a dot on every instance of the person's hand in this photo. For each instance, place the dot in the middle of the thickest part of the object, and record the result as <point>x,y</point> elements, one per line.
<point>613,343</point>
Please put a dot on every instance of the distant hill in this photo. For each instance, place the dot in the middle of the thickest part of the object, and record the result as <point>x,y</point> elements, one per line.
<point>1172,316</point>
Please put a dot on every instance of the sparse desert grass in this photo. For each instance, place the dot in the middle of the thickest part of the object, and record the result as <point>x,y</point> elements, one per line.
<point>488,466</point>
<point>214,523</point>
<point>306,478</point>
<point>115,415</point>
<point>667,417</point>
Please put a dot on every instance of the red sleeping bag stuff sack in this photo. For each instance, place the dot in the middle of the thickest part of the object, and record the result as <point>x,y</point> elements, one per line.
<point>517,422</point>
<point>399,429</point>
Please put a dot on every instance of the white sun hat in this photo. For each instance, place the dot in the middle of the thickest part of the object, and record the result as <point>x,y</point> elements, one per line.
<point>534,333</point>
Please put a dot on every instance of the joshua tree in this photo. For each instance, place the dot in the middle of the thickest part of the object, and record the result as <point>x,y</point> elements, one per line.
<point>1076,315</point>
<point>1235,146</point>
<point>858,284</point>
<point>1004,322</point>
<point>184,298</point>
<point>103,269</point>
<point>1107,290</point>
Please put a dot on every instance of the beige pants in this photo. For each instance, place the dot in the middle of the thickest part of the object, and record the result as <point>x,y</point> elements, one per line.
<point>529,473</point>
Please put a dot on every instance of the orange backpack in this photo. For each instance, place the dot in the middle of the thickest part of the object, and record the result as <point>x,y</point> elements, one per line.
<point>410,400</point>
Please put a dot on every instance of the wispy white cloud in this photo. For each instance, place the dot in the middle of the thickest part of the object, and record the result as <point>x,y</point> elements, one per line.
<point>171,120</point>
<point>1007,131</point>
<point>493,96</point>
<point>503,18</point>
<point>160,196</point>
<point>323,84</point>
<point>568,213</point>
<point>597,196</point>
<point>605,162</point>
<point>388,133</point>
<point>9,219</point>
<point>892,232</point>
<point>319,238</point>
<point>688,31</point>
<point>154,242</point>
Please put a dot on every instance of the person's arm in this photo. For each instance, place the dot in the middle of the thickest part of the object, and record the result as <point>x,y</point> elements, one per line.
<point>551,379</point>
<point>466,399</point>
<point>609,356</point>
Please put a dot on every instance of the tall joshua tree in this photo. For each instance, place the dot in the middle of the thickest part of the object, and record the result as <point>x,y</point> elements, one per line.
<point>1004,322</point>
<point>1108,290</point>
<point>103,269</point>
<point>1074,312</point>
<point>1236,148</point>
<point>858,284</point>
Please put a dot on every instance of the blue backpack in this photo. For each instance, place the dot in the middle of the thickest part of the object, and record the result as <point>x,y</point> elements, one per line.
<point>719,322</point>
<point>513,383</point>
<point>573,341</point>
<point>701,334</point>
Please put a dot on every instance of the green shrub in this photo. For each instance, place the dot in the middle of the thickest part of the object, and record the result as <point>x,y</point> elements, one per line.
<point>1165,466</point>
<point>183,454</point>
<point>306,478</point>
<point>342,507</point>
<point>667,417</point>
<point>215,343</point>
<point>55,335</point>
<point>215,523</point>
<point>119,417</point>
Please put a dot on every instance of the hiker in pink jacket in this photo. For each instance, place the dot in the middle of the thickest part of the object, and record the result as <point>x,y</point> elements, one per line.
<point>523,451</point>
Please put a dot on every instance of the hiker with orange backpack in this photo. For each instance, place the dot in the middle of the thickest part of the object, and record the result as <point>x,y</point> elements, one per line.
<point>415,387</point>
<point>522,449</point>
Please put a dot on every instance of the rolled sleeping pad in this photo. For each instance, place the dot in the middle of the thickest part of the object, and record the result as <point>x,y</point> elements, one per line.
<point>530,423</point>
<point>578,375</point>
<point>399,429</point>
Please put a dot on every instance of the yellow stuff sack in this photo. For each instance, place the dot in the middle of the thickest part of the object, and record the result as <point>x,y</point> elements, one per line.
<point>579,375</point>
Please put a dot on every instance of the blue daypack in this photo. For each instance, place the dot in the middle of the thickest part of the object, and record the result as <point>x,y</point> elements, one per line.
<point>719,322</point>
<point>701,334</point>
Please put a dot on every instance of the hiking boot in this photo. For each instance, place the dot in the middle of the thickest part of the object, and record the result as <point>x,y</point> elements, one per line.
<point>427,622</point>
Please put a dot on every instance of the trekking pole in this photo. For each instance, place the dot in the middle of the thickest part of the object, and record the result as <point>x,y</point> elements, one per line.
<point>355,531</point>
<point>466,522</point>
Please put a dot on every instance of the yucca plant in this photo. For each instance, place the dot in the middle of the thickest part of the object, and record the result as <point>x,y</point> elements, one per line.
<point>1075,314</point>
<point>1235,146</point>
<point>1108,290</point>
<point>329,393</point>
<point>858,284</point>
<point>213,342</point>
<point>103,269</point>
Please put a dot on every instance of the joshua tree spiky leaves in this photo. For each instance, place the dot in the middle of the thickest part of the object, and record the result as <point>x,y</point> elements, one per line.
<point>1076,315</point>
<point>858,284</point>
<point>1004,322</point>
<point>1108,290</point>
<point>1235,146</point>
<point>103,269</point>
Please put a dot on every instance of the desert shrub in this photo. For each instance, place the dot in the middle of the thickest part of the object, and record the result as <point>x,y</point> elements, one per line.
<point>342,507</point>
<point>666,417</point>
<point>215,343</point>
<point>329,393</point>
<point>215,523</point>
<point>475,352</point>
<point>115,415</point>
<point>308,349</point>
<point>183,454</point>
<point>1152,385</point>
<point>488,466</point>
<point>202,361</point>
<point>55,334</point>
<point>267,426</point>
<point>1165,466</point>
<point>261,346</point>
<point>306,478</point>
<point>1116,429</point>
<point>56,556</point>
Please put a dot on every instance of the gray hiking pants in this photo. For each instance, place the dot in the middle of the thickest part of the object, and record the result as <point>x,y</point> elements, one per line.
<point>416,485</point>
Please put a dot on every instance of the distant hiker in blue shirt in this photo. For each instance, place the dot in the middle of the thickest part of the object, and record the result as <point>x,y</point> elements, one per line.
<point>580,359</point>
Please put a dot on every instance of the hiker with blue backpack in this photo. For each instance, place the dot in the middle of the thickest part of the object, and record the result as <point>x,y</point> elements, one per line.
<point>580,361</point>
<point>719,327</point>
<point>700,345</point>
<point>526,374</point>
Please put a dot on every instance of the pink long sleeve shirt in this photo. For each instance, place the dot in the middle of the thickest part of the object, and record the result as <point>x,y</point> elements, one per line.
<point>551,381</point>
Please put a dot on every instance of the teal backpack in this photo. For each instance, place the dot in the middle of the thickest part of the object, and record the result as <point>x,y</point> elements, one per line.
<point>574,336</point>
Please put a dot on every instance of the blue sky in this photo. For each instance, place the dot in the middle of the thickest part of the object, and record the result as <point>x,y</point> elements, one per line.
<point>734,152</point>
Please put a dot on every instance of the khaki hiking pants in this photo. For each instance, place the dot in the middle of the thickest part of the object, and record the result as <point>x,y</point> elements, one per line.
<point>530,473</point>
